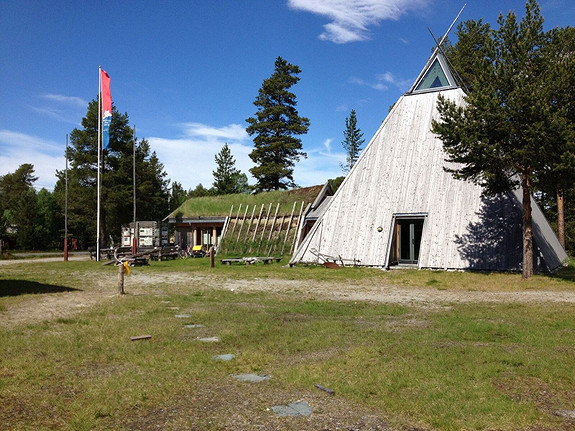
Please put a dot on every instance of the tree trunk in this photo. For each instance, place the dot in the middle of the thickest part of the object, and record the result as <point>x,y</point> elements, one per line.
<point>561,217</point>
<point>527,227</point>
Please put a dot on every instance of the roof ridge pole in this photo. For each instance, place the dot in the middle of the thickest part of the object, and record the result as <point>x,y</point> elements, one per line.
<point>434,54</point>
<point>452,24</point>
<point>456,75</point>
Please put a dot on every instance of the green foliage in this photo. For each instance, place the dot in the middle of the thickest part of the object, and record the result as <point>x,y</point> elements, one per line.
<point>505,135</point>
<point>472,54</point>
<point>117,179</point>
<point>275,125</point>
<point>49,224</point>
<point>228,179</point>
<point>177,195</point>
<point>200,191</point>
<point>507,82</point>
<point>209,205</point>
<point>353,140</point>
<point>336,182</point>
<point>19,218</point>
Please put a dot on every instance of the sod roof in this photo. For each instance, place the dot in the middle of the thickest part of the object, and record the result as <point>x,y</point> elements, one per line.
<point>210,206</point>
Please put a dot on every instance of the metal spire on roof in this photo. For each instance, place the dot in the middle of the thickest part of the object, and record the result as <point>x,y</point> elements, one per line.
<point>438,53</point>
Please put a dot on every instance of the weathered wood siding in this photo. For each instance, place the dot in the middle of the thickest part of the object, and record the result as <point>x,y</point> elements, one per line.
<point>401,172</point>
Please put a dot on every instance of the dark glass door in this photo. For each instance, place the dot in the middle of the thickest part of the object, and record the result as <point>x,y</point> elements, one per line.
<point>410,231</point>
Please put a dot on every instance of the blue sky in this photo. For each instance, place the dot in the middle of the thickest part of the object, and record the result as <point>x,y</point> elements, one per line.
<point>187,72</point>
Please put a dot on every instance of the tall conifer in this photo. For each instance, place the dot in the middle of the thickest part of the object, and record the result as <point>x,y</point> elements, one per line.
<point>275,127</point>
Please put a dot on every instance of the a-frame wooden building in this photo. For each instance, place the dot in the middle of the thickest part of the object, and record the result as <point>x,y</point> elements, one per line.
<point>398,206</point>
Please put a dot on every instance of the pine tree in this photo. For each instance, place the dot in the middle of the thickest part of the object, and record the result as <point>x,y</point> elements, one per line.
<point>473,54</point>
<point>117,179</point>
<point>177,196</point>
<point>353,140</point>
<point>498,139</point>
<point>559,177</point>
<point>18,200</point>
<point>226,174</point>
<point>275,126</point>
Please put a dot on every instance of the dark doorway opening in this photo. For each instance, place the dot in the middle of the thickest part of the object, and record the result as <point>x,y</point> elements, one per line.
<point>406,240</point>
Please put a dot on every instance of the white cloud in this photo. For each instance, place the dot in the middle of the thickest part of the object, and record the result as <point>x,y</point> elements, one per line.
<point>45,155</point>
<point>234,132</point>
<point>67,100</point>
<point>382,82</point>
<point>352,18</point>
<point>66,109</point>
<point>189,159</point>
<point>319,166</point>
<point>327,145</point>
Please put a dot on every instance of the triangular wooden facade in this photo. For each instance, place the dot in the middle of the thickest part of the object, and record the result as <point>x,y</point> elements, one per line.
<point>398,206</point>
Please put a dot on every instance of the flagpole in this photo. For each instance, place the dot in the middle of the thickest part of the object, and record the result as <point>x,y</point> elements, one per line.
<point>99,163</point>
<point>66,208</point>
<point>134,239</point>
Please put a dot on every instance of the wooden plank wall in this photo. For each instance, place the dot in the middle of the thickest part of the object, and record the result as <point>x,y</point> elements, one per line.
<point>401,171</point>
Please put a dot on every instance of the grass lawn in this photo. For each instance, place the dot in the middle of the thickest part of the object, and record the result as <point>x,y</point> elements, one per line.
<point>448,366</point>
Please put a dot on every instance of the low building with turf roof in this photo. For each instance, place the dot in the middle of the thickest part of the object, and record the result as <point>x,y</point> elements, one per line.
<point>264,223</point>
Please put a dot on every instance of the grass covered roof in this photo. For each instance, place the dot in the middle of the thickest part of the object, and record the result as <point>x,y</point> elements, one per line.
<point>211,206</point>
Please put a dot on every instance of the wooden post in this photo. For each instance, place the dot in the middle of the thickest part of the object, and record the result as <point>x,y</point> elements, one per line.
<point>289,227</point>
<point>298,229</point>
<point>212,257</point>
<point>243,221</point>
<point>225,229</point>
<point>237,218</point>
<point>121,272</point>
<point>264,227</point>
<point>273,222</point>
<point>258,222</point>
<point>247,234</point>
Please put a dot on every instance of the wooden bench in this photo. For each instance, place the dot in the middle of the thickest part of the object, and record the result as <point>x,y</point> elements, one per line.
<point>267,260</point>
<point>168,252</point>
<point>250,260</point>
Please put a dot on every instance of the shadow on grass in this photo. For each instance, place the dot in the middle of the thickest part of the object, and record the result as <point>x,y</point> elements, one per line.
<point>23,287</point>
<point>567,273</point>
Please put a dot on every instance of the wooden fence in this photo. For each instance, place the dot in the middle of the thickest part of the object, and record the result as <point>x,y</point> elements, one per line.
<point>262,230</point>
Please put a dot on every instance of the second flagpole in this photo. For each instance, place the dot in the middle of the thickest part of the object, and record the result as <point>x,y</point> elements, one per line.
<point>99,163</point>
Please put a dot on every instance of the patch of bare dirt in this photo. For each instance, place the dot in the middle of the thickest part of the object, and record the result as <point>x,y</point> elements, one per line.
<point>62,304</point>
<point>230,405</point>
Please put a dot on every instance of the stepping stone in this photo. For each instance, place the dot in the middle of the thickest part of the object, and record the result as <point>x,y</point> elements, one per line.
<point>197,325</point>
<point>252,378</point>
<point>166,302</point>
<point>300,408</point>
<point>225,357</point>
<point>173,308</point>
<point>570,414</point>
<point>183,316</point>
<point>209,339</point>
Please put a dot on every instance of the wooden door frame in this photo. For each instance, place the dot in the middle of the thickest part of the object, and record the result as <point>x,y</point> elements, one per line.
<point>393,234</point>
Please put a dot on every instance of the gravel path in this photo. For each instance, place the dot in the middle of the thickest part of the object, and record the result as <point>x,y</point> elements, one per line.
<point>54,305</point>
